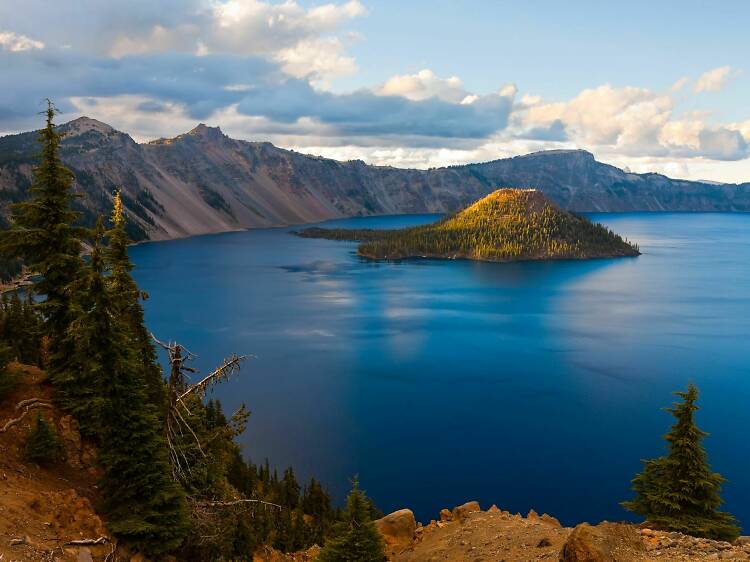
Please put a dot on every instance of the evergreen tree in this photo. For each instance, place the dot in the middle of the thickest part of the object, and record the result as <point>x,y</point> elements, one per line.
<point>7,378</point>
<point>44,236</point>
<point>355,538</point>
<point>126,301</point>
<point>679,492</point>
<point>94,345</point>
<point>42,446</point>
<point>104,388</point>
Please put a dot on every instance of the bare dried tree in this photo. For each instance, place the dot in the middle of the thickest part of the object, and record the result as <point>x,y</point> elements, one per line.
<point>178,390</point>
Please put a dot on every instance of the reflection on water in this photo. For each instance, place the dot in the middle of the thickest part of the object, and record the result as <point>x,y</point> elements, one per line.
<point>524,384</point>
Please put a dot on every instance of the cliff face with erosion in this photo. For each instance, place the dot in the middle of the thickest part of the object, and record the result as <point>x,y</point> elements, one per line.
<point>203,181</point>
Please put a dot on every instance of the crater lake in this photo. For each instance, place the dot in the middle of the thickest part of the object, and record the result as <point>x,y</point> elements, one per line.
<point>527,385</point>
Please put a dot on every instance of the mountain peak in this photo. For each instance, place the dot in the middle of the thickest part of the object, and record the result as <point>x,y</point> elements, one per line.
<point>85,124</point>
<point>574,152</point>
<point>203,131</point>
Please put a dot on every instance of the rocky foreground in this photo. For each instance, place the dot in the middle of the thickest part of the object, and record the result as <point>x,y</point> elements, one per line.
<point>470,534</point>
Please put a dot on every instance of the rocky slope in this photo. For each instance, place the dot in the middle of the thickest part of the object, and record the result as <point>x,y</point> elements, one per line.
<point>468,534</point>
<point>203,181</point>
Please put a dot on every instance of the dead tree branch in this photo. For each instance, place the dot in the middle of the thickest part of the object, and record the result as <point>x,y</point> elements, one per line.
<point>27,406</point>
<point>178,390</point>
<point>86,542</point>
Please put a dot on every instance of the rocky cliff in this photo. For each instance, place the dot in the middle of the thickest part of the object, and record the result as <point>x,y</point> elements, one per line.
<point>203,181</point>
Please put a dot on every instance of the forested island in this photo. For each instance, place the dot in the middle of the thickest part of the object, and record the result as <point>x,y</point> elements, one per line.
<point>506,225</point>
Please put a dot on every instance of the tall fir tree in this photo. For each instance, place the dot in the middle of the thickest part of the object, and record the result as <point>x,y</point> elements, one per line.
<point>44,235</point>
<point>144,506</point>
<point>679,491</point>
<point>93,342</point>
<point>355,538</point>
<point>127,302</point>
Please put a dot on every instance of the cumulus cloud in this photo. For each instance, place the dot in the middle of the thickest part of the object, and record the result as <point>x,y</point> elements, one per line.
<point>713,80</point>
<point>16,42</point>
<point>423,85</point>
<point>203,85</point>
<point>306,42</point>
<point>631,121</point>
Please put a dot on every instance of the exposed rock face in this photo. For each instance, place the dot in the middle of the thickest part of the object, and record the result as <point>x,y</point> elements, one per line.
<point>461,512</point>
<point>203,181</point>
<point>606,542</point>
<point>398,530</point>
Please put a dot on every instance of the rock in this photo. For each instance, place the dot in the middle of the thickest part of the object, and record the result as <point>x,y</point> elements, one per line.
<point>532,515</point>
<point>493,509</point>
<point>461,512</point>
<point>398,530</point>
<point>445,515</point>
<point>549,520</point>
<point>606,542</point>
<point>742,541</point>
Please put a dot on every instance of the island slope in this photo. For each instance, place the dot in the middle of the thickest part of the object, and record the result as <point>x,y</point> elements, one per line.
<point>507,225</point>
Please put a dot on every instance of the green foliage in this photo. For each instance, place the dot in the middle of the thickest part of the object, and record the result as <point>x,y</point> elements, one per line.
<point>355,538</point>
<point>21,328</point>
<point>679,492</point>
<point>107,393</point>
<point>43,234</point>
<point>509,224</point>
<point>41,445</point>
<point>303,518</point>
<point>8,378</point>
<point>127,302</point>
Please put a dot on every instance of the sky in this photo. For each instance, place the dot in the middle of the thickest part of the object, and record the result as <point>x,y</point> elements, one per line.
<point>648,86</point>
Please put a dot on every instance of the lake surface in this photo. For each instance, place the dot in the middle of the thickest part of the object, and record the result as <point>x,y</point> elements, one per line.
<point>528,385</point>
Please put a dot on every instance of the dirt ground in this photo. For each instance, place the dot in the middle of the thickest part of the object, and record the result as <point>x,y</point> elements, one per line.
<point>43,509</point>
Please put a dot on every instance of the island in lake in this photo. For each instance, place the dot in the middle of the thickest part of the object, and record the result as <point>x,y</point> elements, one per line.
<point>506,225</point>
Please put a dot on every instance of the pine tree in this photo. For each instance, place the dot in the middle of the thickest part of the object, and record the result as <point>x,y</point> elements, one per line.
<point>355,538</point>
<point>144,506</point>
<point>41,445</point>
<point>679,492</point>
<point>44,236</point>
<point>127,302</point>
<point>93,343</point>
<point>7,378</point>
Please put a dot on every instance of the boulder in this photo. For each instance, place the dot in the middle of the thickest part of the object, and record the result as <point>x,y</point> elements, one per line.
<point>493,509</point>
<point>549,520</point>
<point>461,512</point>
<point>445,515</point>
<point>398,530</point>
<point>606,542</point>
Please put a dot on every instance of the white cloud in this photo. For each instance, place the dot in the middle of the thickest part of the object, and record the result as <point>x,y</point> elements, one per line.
<point>305,42</point>
<point>318,59</point>
<point>423,85</point>
<point>606,115</point>
<point>713,80</point>
<point>16,42</point>
<point>680,84</point>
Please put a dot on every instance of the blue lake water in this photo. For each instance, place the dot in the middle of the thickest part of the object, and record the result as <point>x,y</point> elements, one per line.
<point>528,385</point>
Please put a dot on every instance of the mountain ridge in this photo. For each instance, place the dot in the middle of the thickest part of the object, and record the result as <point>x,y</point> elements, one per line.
<point>203,181</point>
